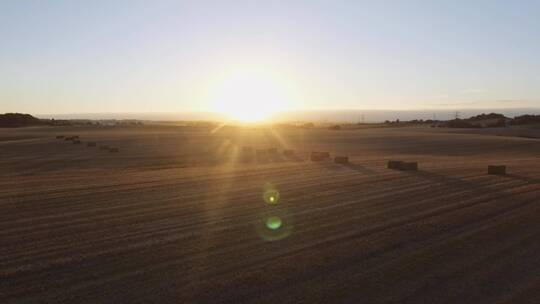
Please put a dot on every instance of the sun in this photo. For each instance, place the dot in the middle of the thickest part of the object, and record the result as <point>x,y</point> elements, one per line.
<point>250,96</point>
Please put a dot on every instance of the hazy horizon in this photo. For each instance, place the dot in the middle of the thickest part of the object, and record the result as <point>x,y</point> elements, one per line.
<point>344,115</point>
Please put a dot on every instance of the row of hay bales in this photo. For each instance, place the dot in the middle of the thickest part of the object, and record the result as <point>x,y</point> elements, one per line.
<point>318,156</point>
<point>75,139</point>
<point>248,154</point>
<point>413,166</point>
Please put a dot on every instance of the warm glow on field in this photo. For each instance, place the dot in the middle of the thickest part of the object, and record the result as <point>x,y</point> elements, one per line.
<point>250,96</point>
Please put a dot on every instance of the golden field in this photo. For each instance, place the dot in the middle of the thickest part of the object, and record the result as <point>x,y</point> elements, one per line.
<point>177,217</point>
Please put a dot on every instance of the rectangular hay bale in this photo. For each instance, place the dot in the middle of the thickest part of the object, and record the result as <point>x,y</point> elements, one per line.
<point>288,152</point>
<point>496,170</point>
<point>394,164</point>
<point>319,156</point>
<point>341,159</point>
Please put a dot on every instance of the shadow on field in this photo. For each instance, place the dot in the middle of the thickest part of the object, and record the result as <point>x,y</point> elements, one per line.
<point>267,159</point>
<point>359,168</point>
<point>294,158</point>
<point>446,180</point>
<point>327,164</point>
<point>528,180</point>
<point>479,188</point>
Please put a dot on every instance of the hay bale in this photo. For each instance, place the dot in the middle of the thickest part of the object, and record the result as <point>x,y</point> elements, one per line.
<point>319,156</point>
<point>76,142</point>
<point>408,166</point>
<point>272,151</point>
<point>60,136</point>
<point>113,150</point>
<point>315,156</point>
<point>289,153</point>
<point>91,144</point>
<point>104,147</point>
<point>394,164</point>
<point>496,170</point>
<point>341,159</point>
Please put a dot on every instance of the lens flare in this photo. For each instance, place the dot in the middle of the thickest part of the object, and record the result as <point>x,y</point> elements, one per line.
<point>273,222</point>
<point>275,225</point>
<point>270,194</point>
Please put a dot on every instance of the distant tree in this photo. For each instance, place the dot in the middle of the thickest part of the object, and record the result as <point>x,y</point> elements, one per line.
<point>488,116</point>
<point>526,120</point>
<point>13,120</point>
<point>335,127</point>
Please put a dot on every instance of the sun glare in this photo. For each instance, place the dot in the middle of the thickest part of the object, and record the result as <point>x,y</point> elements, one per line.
<point>250,97</point>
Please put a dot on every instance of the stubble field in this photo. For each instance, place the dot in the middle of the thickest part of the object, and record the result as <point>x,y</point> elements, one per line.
<point>176,216</point>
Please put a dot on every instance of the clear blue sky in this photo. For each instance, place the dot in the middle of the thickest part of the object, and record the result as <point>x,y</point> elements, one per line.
<point>161,56</point>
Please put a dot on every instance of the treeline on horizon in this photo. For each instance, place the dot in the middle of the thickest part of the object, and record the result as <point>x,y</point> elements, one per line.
<point>477,121</point>
<point>14,120</point>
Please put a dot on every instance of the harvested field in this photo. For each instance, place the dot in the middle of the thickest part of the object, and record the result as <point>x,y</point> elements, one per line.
<point>169,220</point>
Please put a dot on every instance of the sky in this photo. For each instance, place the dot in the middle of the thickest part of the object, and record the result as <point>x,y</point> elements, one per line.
<point>184,56</point>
